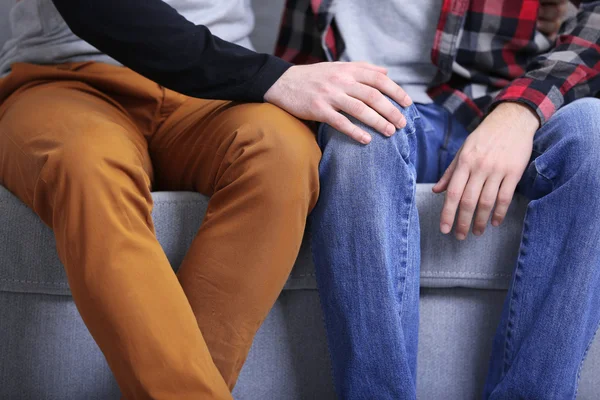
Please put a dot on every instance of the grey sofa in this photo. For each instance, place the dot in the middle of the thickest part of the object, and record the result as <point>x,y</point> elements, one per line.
<point>47,353</point>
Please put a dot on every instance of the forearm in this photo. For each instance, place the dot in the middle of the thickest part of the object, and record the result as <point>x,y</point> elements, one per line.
<point>154,40</point>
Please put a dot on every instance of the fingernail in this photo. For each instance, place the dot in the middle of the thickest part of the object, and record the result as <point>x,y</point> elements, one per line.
<point>390,130</point>
<point>495,223</point>
<point>477,232</point>
<point>460,236</point>
<point>445,229</point>
<point>401,123</point>
<point>366,139</point>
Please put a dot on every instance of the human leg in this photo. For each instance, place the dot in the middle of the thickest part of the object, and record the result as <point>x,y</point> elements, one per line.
<point>552,309</point>
<point>365,236</point>
<point>82,165</point>
<point>259,165</point>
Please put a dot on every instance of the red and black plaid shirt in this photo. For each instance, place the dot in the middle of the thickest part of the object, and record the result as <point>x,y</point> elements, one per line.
<point>486,51</point>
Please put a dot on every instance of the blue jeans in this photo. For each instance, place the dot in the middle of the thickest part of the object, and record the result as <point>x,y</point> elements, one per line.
<point>365,232</point>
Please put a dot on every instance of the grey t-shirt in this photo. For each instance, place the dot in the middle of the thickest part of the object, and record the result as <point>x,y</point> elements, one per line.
<point>396,34</point>
<point>39,35</point>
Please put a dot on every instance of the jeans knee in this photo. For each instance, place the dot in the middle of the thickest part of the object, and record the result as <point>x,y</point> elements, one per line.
<point>383,158</point>
<point>579,124</point>
<point>380,145</point>
<point>575,135</point>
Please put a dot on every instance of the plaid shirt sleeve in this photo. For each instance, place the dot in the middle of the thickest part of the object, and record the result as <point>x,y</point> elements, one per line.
<point>571,70</point>
<point>299,39</point>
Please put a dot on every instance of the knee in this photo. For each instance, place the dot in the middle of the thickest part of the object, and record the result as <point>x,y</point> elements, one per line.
<point>579,123</point>
<point>578,127</point>
<point>352,162</point>
<point>281,154</point>
<point>345,150</point>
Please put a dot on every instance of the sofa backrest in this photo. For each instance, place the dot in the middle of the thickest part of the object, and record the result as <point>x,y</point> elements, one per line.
<point>268,16</point>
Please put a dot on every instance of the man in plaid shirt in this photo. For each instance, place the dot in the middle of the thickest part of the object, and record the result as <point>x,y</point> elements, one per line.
<point>540,137</point>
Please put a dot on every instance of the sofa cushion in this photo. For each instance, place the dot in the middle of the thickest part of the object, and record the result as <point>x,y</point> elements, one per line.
<point>28,260</point>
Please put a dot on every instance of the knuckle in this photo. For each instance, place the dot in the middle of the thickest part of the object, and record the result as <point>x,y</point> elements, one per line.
<point>401,94</point>
<point>380,79</point>
<point>337,121</point>
<point>467,204</point>
<point>395,114</point>
<point>454,194</point>
<point>354,132</point>
<point>486,204</point>
<point>381,124</point>
<point>464,159</point>
<point>504,201</point>
<point>335,79</point>
<point>447,212</point>
<point>339,66</point>
<point>324,89</point>
<point>483,164</point>
<point>513,171</point>
<point>317,105</point>
<point>463,226</point>
<point>356,107</point>
<point>373,95</point>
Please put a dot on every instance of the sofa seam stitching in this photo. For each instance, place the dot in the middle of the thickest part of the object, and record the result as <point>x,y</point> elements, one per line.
<point>33,282</point>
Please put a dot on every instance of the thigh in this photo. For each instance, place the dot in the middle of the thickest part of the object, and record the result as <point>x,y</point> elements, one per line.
<point>65,121</point>
<point>198,143</point>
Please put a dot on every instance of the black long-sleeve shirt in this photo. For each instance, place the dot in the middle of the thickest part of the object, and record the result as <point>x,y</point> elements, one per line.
<point>153,39</point>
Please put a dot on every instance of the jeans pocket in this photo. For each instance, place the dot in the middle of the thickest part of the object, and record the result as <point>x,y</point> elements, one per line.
<point>542,184</point>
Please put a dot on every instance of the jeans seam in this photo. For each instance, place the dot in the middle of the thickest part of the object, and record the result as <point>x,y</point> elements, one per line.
<point>411,201</point>
<point>321,306</point>
<point>411,131</point>
<point>508,334</point>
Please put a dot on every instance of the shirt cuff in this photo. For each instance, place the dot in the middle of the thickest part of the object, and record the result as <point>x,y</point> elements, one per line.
<point>542,97</point>
<point>270,72</point>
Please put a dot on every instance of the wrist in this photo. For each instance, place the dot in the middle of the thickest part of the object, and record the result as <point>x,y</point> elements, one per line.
<point>270,81</point>
<point>519,114</point>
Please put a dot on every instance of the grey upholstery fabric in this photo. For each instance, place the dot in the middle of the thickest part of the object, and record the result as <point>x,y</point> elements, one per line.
<point>47,352</point>
<point>483,262</point>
